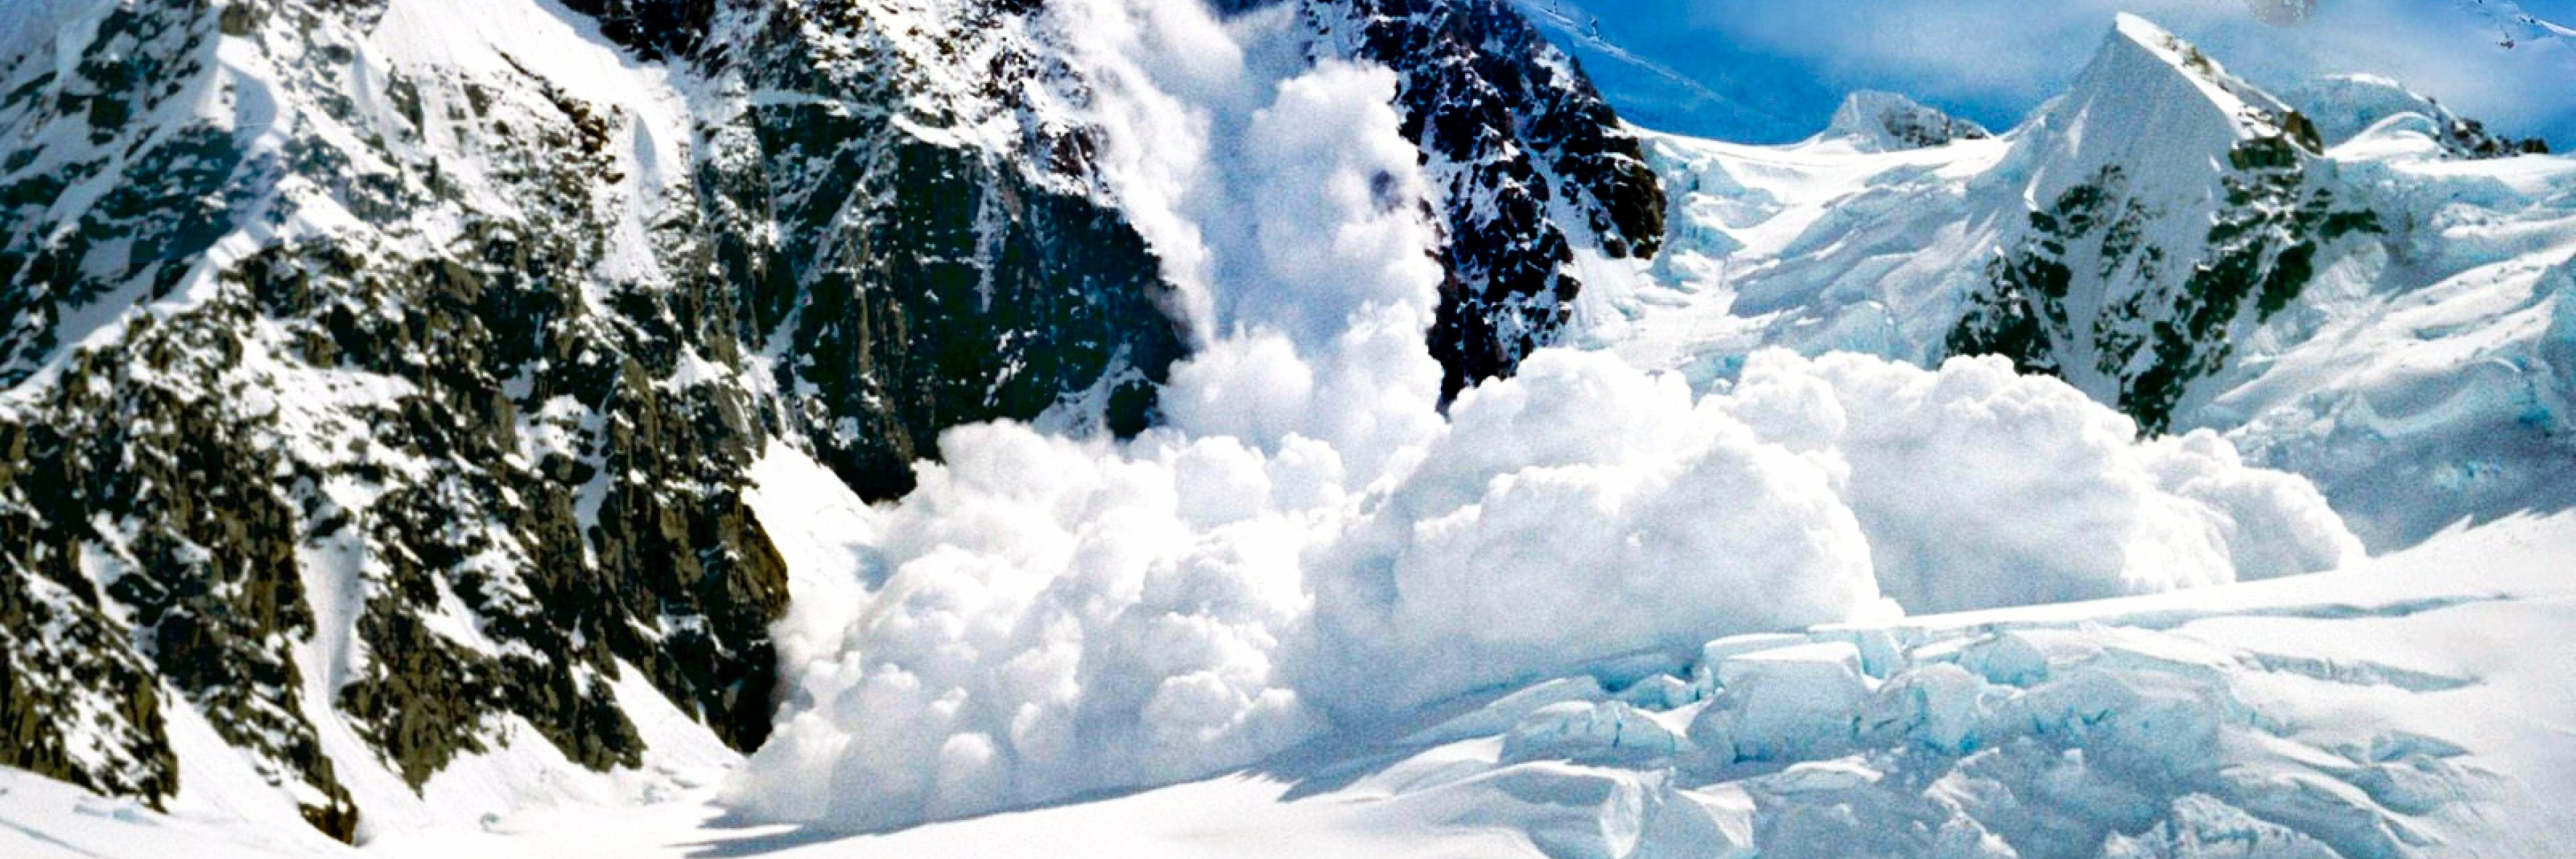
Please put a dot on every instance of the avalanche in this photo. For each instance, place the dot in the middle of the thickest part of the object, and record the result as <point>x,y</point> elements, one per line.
<point>2393,709</point>
<point>1307,547</point>
<point>1752,567</point>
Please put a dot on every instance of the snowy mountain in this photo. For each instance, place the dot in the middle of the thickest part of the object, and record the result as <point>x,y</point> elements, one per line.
<point>1885,122</point>
<point>2183,196</point>
<point>385,379</point>
<point>2362,288</point>
<point>605,426</point>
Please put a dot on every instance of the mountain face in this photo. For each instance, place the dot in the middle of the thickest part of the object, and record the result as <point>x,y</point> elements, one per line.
<point>1532,164</point>
<point>383,376</point>
<point>2156,141</point>
<point>2352,283</point>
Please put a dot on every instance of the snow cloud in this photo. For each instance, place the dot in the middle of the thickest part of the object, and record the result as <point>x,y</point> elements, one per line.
<point>1308,541</point>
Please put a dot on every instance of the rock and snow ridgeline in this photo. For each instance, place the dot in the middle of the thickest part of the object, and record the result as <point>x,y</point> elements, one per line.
<point>386,378</point>
<point>2371,298</point>
<point>711,295</point>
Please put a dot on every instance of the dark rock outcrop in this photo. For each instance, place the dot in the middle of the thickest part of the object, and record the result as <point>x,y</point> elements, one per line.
<point>1529,162</point>
<point>2198,210</point>
<point>513,456</point>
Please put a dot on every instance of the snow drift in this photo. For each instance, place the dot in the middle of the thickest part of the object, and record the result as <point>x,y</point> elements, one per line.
<point>1309,544</point>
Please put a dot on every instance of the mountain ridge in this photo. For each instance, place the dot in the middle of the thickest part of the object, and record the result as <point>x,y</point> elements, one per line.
<point>2252,278</point>
<point>391,388</point>
<point>384,379</point>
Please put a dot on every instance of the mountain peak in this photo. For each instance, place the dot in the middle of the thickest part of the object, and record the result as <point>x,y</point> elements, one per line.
<point>1887,122</point>
<point>2161,109</point>
<point>2141,52</point>
<point>2172,207</point>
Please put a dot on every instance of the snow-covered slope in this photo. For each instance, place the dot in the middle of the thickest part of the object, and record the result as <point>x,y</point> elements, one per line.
<point>2394,710</point>
<point>387,382</point>
<point>2382,315</point>
<point>1886,122</point>
<point>447,425</point>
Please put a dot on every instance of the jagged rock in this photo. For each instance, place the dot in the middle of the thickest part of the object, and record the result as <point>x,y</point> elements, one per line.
<point>370,347</point>
<point>1511,134</point>
<point>911,283</point>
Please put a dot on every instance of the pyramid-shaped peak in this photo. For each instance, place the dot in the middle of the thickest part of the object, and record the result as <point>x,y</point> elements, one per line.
<point>2162,112</point>
<point>2141,53</point>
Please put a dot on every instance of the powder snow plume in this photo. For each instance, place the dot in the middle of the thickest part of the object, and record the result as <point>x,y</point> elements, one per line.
<point>1308,542</point>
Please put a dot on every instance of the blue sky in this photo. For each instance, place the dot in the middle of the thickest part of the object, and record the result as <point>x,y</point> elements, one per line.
<point>1773,70</point>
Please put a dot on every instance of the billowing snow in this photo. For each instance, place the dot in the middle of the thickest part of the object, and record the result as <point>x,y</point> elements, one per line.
<point>1308,546</point>
<point>2397,709</point>
<point>1293,601</point>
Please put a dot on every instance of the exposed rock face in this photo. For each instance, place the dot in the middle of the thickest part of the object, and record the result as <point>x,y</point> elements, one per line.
<point>653,29</point>
<point>389,365</point>
<point>346,384</point>
<point>1531,165</point>
<point>925,272</point>
<point>329,402</point>
<point>2178,208</point>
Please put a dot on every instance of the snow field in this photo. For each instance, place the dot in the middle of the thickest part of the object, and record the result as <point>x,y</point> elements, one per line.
<point>2347,715</point>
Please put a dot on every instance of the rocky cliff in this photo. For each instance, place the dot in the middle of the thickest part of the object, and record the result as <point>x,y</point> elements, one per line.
<point>383,377</point>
